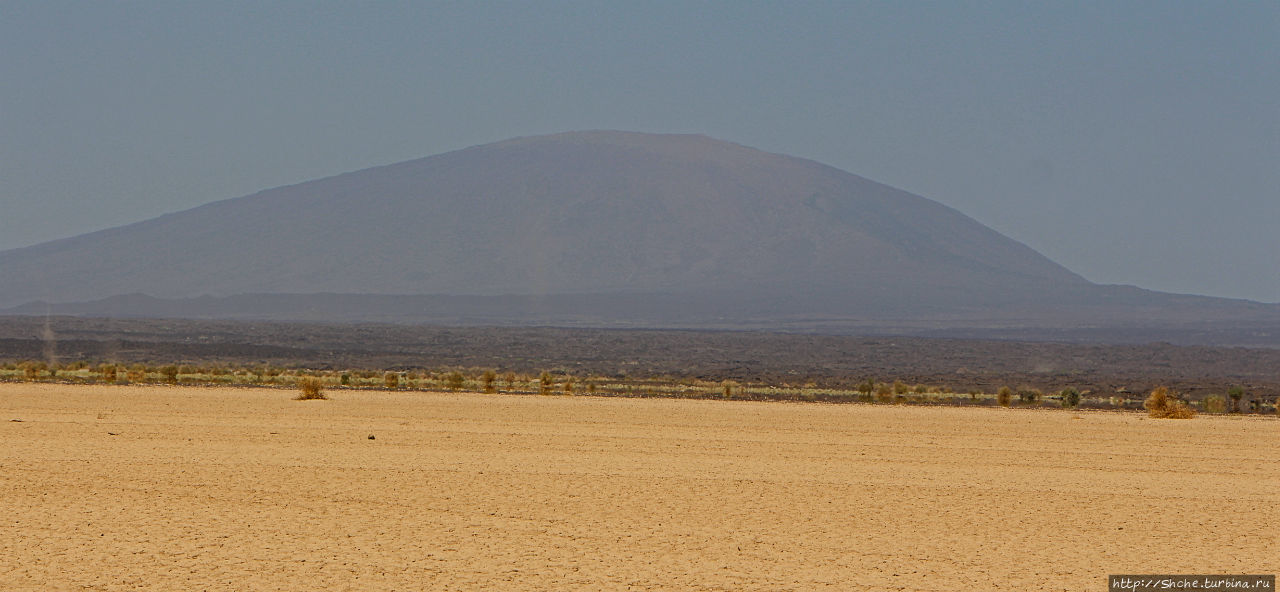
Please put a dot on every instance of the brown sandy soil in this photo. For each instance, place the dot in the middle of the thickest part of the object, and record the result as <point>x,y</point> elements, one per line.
<point>224,489</point>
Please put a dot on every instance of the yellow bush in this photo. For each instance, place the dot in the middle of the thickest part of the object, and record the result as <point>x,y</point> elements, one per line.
<point>310,388</point>
<point>1160,405</point>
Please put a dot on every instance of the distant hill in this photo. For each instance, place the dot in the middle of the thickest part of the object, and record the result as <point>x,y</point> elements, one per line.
<point>601,227</point>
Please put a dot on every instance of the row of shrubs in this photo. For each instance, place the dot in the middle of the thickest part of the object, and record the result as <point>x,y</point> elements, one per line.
<point>1159,404</point>
<point>547,383</point>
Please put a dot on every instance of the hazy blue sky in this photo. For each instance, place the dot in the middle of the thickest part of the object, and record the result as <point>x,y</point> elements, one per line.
<point>1132,142</point>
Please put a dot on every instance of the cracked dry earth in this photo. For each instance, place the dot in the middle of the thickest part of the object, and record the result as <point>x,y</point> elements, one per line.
<point>172,488</point>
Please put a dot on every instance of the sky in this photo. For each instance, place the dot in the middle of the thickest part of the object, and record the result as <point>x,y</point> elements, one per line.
<point>1133,142</point>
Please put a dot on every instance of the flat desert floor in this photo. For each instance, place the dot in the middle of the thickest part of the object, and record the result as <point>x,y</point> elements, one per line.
<point>159,488</point>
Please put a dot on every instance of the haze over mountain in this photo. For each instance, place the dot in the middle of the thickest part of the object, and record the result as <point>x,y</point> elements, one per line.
<point>641,227</point>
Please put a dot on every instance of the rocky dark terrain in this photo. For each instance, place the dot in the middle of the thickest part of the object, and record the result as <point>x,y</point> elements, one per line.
<point>774,358</point>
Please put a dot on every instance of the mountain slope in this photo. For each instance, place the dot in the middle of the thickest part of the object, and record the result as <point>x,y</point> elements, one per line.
<point>574,213</point>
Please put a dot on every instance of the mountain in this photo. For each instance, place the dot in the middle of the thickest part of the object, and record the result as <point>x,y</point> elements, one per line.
<point>622,225</point>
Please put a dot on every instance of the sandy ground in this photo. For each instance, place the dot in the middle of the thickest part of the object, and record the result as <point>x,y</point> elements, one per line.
<point>154,488</point>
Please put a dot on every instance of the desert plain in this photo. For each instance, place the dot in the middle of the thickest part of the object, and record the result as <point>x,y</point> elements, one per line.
<point>188,488</point>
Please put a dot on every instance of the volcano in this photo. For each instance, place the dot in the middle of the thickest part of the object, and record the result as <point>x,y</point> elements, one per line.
<point>646,227</point>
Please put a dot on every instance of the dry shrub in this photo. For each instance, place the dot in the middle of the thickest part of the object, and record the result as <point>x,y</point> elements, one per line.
<point>310,388</point>
<point>136,373</point>
<point>1160,405</point>
<point>884,393</point>
<point>1004,396</point>
<point>31,370</point>
<point>455,381</point>
<point>391,380</point>
<point>1215,404</point>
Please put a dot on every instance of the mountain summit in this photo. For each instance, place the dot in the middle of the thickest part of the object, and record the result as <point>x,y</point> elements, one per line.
<point>597,213</point>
